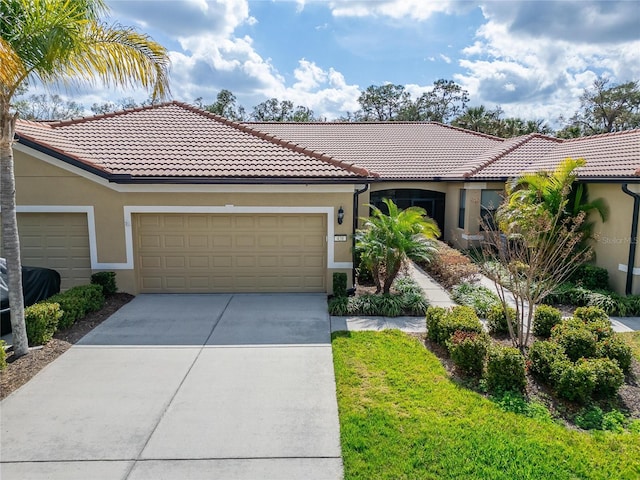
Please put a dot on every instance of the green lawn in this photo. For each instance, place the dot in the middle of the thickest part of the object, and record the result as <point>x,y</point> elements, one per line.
<point>402,418</point>
<point>633,339</point>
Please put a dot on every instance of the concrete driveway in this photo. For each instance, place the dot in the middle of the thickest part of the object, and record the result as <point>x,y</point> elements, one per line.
<point>184,387</point>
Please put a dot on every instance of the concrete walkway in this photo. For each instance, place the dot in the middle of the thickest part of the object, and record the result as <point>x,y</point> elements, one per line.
<point>184,387</point>
<point>439,297</point>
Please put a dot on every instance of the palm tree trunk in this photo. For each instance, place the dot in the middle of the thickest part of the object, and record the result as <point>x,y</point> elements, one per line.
<point>10,238</point>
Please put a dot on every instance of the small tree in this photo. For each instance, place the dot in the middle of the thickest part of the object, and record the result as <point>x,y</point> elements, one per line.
<point>387,240</point>
<point>534,249</point>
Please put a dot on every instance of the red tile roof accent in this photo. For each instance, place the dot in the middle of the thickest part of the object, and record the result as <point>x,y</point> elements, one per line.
<point>178,140</point>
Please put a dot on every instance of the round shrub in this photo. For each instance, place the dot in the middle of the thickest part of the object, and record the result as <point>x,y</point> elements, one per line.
<point>576,339</point>
<point>107,280</point>
<point>608,376</point>
<point>590,314</point>
<point>497,320</point>
<point>542,355</point>
<point>545,317</point>
<point>505,370</point>
<point>41,321</point>
<point>573,381</point>
<point>600,328</point>
<point>468,351</point>
<point>616,349</point>
<point>458,318</point>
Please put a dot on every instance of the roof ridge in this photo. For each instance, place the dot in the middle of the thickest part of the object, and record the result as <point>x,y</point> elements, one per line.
<point>601,135</point>
<point>115,113</point>
<point>33,123</point>
<point>512,144</point>
<point>466,130</point>
<point>274,139</point>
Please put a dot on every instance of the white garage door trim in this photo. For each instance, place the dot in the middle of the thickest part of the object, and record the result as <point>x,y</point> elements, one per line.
<point>128,210</point>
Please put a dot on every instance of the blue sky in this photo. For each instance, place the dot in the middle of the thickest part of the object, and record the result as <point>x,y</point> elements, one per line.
<point>533,58</point>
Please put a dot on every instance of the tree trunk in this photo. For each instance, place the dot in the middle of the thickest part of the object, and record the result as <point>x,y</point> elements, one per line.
<point>10,238</point>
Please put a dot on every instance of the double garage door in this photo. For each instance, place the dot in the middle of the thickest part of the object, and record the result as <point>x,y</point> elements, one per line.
<point>179,253</point>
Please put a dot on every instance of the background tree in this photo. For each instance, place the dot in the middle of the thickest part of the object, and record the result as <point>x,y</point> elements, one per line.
<point>54,41</point>
<point>539,243</point>
<point>386,241</point>
<point>121,104</point>
<point>444,102</point>
<point>47,107</point>
<point>383,103</point>
<point>604,109</point>
<point>226,105</point>
<point>274,110</point>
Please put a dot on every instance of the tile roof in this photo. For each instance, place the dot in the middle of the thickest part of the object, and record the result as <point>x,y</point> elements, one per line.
<point>177,140</point>
<point>395,150</point>
<point>180,142</point>
<point>612,155</point>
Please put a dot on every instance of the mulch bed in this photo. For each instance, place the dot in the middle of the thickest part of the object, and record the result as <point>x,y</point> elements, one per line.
<point>20,370</point>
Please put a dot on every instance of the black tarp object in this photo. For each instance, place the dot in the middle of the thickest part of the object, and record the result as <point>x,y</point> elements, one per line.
<point>37,284</point>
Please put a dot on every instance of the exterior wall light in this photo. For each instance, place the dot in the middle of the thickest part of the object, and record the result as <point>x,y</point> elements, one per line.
<point>340,215</point>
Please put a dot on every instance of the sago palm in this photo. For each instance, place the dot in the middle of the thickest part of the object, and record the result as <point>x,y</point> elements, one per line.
<point>58,42</point>
<point>387,240</point>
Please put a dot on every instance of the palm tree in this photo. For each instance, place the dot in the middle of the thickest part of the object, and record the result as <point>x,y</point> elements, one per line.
<point>54,42</point>
<point>387,240</point>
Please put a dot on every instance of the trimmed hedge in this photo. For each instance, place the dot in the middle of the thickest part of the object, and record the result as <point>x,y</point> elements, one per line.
<point>497,320</point>
<point>3,355</point>
<point>77,302</point>
<point>616,349</point>
<point>541,357</point>
<point>41,321</point>
<point>591,277</point>
<point>577,340</point>
<point>450,266</point>
<point>459,318</point>
<point>339,284</point>
<point>505,370</point>
<point>468,351</point>
<point>545,318</point>
<point>107,280</point>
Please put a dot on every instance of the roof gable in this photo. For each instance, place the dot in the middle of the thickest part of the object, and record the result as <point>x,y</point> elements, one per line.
<point>176,140</point>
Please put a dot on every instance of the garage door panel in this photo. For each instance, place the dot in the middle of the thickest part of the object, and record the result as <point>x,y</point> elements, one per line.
<point>251,253</point>
<point>59,241</point>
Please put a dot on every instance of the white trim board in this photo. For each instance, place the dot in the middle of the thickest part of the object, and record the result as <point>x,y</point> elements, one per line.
<point>128,210</point>
<point>623,267</point>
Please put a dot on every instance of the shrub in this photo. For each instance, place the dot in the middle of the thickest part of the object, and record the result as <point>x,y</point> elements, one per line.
<point>41,321</point>
<point>107,280</point>
<point>480,298</point>
<point>414,303</point>
<point>458,318</point>
<point>575,338</point>
<point>339,284</point>
<point>616,349</point>
<point>468,351</point>
<point>613,421</point>
<point>545,318</point>
<point>505,370</point>
<point>573,381</point>
<point>603,300</point>
<point>589,418</point>
<point>608,376</point>
<point>406,285</point>
<point>497,320</point>
<point>450,266</point>
<point>92,295</point>
<point>542,355</point>
<point>434,317</point>
<point>591,277</point>
<point>388,305</point>
<point>3,355</point>
<point>339,306</point>
<point>590,314</point>
<point>72,306</point>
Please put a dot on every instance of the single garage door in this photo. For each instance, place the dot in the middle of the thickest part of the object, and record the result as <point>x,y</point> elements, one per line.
<point>59,241</point>
<point>178,253</point>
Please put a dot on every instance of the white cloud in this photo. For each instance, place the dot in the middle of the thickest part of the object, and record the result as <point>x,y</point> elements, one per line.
<point>413,9</point>
<point>445,58</point>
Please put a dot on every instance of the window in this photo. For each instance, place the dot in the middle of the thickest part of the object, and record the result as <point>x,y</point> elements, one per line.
<point>490,200</point>
<point>461,207</point>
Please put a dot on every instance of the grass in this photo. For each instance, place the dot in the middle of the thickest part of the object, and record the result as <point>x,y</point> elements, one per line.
<point>633,339</point>
<point>401,417</point>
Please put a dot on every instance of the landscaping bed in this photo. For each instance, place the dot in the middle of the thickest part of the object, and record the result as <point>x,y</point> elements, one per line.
<point>19,371</point>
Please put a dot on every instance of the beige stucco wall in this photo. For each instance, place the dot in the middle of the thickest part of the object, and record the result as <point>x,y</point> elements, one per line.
<point>614,236</point>
<point>42,183</point>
